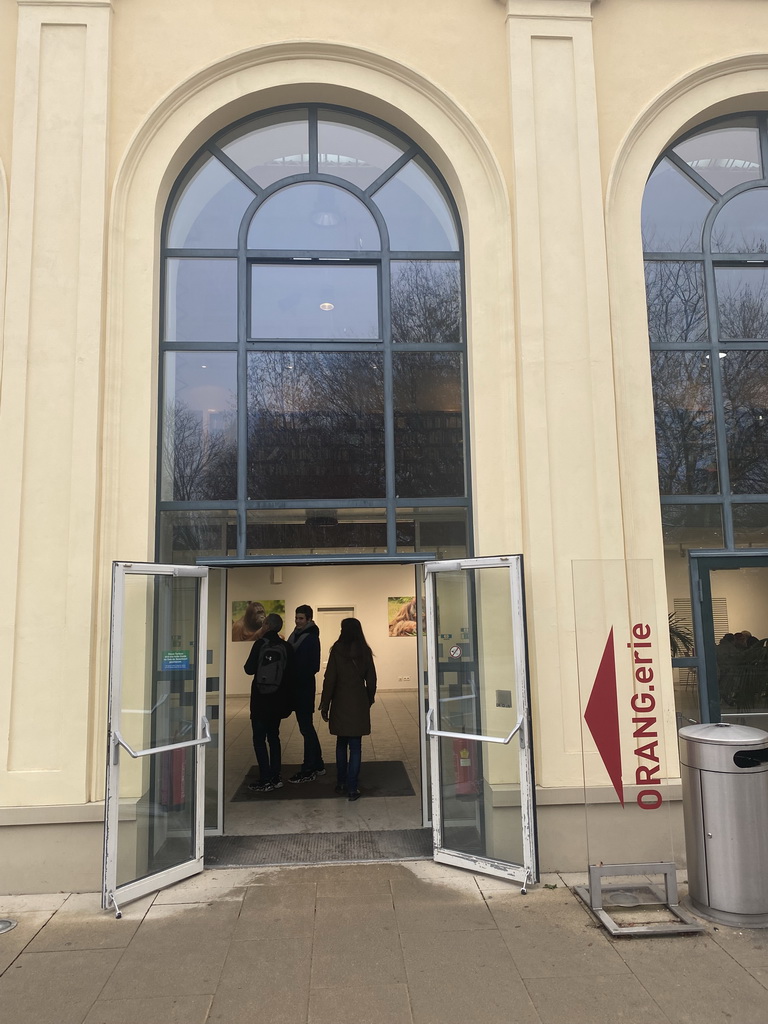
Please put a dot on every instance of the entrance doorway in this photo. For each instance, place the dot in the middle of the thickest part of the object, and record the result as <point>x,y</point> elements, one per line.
<point>393,760</point>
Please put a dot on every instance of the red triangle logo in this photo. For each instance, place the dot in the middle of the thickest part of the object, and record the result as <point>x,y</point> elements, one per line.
<point>602,717</point>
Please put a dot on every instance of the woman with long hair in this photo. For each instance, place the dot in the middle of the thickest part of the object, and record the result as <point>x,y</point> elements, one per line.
<point>349,689</point>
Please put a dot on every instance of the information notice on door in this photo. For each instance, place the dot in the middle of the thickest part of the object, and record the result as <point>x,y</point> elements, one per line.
<point>175,660</point>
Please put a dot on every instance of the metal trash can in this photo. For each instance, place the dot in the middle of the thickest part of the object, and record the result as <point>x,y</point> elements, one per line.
<point>724,771</point>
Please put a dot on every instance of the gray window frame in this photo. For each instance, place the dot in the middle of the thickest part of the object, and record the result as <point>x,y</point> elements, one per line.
<point>391,501</point>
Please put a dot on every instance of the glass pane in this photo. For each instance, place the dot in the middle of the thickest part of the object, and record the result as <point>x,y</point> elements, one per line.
<point>426,302</point>
<point>750,525</point>
<point>742,302</point>
<point>311,216</point>
<point>209,209</point>
<point>677,310</point>
<point>201,300</point>
<point>315,425</point>
<point>438,530</point>
<point>314,301</point>
<point>429,435</point>
<point>745,403</point>
<point>685,429</point>
<point>725,156</point>
<point>316,531</point>
<point>199,426</point>
<point>351,148</point>
<point>271,148</point>
<point>158,707</point>
<point>687,706</point>
<point>417,214</point>
<point>685,527</point>
<point>187,536</point>
<point>688,527</point>
<point>742,652</point>
<point>742,224</point>
<point>476,695</point>
<point>673,211</point>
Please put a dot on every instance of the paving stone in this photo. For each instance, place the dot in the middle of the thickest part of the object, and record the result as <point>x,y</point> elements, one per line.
<point>10,906</point>
<point>595,999</point>
<point>444,915</point>
<point>54,988</point>
<point>80,923</point>
<point>694,980</point>
<point>492,993</point>
<point>360,1003</point>
<point>554,938</point>
<point>170,973</point>
<point>12,943</point>
<point>185,926</point>
<point>160,1010</point>
<point>280,911</point>
<point>331,969</point>
<point>235,1005</point>
<point>281,961</point>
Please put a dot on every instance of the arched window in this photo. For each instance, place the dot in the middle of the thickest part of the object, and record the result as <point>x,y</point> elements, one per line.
<point>705,235</point>
<point>313,346</point>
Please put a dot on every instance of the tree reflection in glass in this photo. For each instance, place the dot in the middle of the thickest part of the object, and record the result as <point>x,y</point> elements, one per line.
<point>429,449</point>
<point>685,430</point>
<point>199,427</point>
<point>745,401</point>
<point>677,310</point>
<point>742,302</point>
<point>426,302</point>
<point>315,425</point>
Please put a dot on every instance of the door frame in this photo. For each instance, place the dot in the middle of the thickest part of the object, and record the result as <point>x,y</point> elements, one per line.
<point>114,894</point>
<point>701,564</point>
<point>528,872</point>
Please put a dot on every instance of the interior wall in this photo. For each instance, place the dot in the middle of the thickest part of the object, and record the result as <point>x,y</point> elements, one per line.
<point>363,587</point>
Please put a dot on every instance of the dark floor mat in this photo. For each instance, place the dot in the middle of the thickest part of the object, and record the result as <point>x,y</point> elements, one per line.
<point>318,848</point>
<point>377,778</point>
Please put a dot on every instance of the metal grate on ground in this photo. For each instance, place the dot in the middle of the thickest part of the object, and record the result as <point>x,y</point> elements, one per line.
<point>318,848</point>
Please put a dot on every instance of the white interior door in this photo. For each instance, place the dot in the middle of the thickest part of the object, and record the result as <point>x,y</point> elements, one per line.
<point>157,729</point>
<point>478,719</point>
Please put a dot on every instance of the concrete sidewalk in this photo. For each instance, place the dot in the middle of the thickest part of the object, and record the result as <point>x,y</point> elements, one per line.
<point>395,943</point>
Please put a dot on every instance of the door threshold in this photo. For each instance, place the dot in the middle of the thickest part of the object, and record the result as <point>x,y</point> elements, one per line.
<point>318,848</point>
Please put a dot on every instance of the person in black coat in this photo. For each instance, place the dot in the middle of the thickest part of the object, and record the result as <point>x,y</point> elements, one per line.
<point>349,690</point>
<point>268,709</point>
<point>305,640</point>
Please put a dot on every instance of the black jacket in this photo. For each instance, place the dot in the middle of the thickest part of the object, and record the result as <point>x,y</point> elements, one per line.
<point>272,705</point>
<point>306,664</point>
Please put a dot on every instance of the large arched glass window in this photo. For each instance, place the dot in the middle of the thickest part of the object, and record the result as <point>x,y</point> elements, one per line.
<point>705,235</point>
<point>313,346</point>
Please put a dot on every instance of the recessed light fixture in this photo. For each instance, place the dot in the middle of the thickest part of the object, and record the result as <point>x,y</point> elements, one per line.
<point>326,306</point>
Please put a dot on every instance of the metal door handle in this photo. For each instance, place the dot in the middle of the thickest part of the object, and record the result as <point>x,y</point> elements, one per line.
<point>206,738</point>
<point>470,736</point>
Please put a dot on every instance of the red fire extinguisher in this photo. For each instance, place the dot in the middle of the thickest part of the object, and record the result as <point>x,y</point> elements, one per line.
<point>465,767</point>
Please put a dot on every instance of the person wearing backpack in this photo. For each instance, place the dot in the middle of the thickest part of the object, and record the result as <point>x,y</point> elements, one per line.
<point>349,690</point>
<point>271,665</point>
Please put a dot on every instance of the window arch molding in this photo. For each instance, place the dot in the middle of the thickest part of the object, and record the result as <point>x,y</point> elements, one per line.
<point>247,310</point>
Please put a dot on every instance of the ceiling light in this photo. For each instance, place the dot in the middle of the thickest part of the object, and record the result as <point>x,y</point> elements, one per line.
<point>326,306</point>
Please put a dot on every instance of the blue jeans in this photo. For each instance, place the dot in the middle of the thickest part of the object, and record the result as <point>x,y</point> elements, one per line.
<point>266,732</point>
<point>348,768</point>
<point>313,752</point>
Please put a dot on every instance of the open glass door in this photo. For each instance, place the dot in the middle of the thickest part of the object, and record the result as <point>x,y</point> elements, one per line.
<point>478,719</point>
<point>157,729</point>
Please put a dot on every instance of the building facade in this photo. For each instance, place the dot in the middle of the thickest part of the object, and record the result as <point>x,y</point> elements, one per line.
<point>478,181</point>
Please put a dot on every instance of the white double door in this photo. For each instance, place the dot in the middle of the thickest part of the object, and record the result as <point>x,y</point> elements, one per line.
<point>476,723</point>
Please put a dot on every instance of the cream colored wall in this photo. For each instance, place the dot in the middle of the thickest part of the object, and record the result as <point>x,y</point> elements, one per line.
<point>364,588</point>
<point>515,105</point>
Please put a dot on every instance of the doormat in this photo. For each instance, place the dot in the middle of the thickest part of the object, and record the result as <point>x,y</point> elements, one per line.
<point>377,778</point>
<point>318,848</point>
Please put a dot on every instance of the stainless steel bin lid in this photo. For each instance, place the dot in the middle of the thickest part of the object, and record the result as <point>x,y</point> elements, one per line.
<point>712,746</point>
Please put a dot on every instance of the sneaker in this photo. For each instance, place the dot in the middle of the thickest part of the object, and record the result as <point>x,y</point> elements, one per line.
<point>302,776</point>
<point>341,790</point>
<point>276,784</point>
<point>354,796</point>
<point>260,787</point>
<point>319,771</point>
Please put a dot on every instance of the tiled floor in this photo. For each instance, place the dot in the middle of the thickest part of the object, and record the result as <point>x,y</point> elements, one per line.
<point>394,737</point>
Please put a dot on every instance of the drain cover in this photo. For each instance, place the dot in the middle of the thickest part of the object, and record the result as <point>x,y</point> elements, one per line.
<point>6,925</point>
<point>623,899</point>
